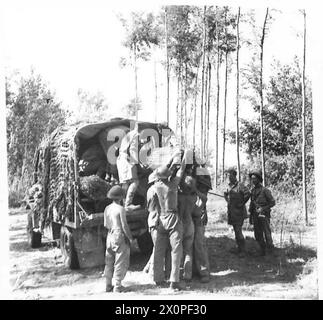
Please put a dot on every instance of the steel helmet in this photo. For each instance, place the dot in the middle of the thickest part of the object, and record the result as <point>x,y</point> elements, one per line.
<point>116,193</point>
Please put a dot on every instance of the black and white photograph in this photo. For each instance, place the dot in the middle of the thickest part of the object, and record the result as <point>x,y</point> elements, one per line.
<point>161,151</point>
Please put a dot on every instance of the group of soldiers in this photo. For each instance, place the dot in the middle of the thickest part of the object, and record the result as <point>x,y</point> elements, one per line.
<point>176,201</point>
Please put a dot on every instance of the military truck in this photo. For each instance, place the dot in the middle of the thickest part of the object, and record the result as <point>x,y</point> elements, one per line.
<point>59,210</point>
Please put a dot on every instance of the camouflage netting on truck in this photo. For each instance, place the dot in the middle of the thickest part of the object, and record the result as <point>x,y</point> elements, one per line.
<point>56,173</point>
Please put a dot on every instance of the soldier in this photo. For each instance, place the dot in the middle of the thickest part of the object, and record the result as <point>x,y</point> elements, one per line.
<point>186,201</point>
<point>118,241</point>
<point>260,206</point>
<point>127,166</point>
<point>154,210</point>
<point>170,227</point>
<point>237,196</point>
<point>200,254</point>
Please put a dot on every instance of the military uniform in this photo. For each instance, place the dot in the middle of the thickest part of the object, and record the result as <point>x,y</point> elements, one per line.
<point>169,230</point>
<point>127,165</point>
<point>154,209</point>
<point>237,196</point>
<point>186,202</point>
<point>117,244</point>
<point>261,198</point>
<point>200,254</point>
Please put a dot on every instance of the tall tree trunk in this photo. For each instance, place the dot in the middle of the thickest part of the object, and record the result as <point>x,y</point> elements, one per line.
<point>156,91</point>
<point>136,83</point>
<point>217,110</point>
<point>225,98</point>
<point>185,107</point>
<point>182,105</point>
<point>178,102</point>
<point>238,97</point>
<point>205,105</point>
<point>262,99</point>
<point>304,126</point>
<point>195,105</point>
<point>203,74</point>
<point>167,66</point>
<point>208,108</point>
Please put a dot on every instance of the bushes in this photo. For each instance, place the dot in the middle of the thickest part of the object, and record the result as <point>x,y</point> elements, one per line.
<point>14,199</point>
<point>17,191</point>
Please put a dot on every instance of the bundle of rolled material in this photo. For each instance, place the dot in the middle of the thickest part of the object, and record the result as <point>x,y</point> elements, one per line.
<point>161,156</point>
<point>94,187</point>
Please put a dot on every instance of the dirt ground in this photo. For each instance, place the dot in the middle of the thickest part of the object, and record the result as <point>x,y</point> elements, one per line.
<point>291,274</point>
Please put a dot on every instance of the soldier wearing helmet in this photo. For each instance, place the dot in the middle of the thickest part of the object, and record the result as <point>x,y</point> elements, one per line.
<point>170,227</point>
<point>260,206</point>
<point>118,241</point>
<point>237,196</point>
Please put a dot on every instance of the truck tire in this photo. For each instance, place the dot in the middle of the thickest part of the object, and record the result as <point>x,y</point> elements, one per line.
<point>145,243</point>
<point>34,238</point>
<point>68,249</point>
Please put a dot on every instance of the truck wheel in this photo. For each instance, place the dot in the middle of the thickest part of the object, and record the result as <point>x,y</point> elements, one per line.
<point>68,249</point>
<point>145,243</point>
<point>34,238</point>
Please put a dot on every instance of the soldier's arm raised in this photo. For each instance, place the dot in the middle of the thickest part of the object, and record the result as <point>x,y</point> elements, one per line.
<point>181,170</point>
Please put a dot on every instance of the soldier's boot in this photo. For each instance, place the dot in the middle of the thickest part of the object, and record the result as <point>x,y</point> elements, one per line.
<point>205,277</point>
<point>241,248</point>
<point>108,286</point>
<point>262,249</point>
<point>176,286</point>
<point>119,289</point>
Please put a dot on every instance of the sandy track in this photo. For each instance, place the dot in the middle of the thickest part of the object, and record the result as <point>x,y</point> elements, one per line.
<point>41,274</point>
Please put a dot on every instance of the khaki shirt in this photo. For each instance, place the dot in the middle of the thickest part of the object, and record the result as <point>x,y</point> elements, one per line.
<point>167,193</point>
<point>261,197</point>
<point>238,195</point>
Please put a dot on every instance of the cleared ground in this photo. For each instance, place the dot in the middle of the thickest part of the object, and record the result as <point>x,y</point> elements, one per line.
<point>291,274</point>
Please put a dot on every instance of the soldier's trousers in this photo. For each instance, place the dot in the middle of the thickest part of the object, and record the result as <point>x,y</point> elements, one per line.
<point>201,258</point>
<point>262,232</point>
<point>188,239</point>
<point>239,236</point>
<point>186,205</point>
<point>150,264</point>
<point>169,230</point>
<point>116,257</point>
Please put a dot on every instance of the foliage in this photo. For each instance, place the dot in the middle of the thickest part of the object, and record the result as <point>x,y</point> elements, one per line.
<point>142,31</point>
<point>32,113</point>
<point>130,109</point>
<point>282,127</point>
<point>93,107</point>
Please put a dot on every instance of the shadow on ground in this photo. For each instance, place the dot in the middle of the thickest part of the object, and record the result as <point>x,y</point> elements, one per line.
<point>228,270</point>
<point>45,266</point>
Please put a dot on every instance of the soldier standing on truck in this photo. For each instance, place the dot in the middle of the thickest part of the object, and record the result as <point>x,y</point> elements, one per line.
<point>237,196</point>
<point>170,227</point>
<point>118,241</point>
<point>127,166</point>
<point>260,206</point>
